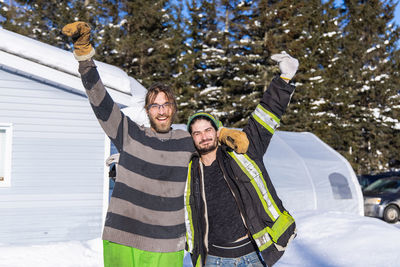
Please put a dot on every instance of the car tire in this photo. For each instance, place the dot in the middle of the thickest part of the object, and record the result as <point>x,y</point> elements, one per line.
<point>391,214</point>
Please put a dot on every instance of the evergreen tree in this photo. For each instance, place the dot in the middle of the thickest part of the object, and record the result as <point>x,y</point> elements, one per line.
<point>367,85</point>
<point>188,60</point>
<point>308,31</point>
<point>210,58</point>
<point>178,78</point>
<point>241,79</point>
<point>217,58</point>
<point>12,17</point>
<point>107,31</point>
<point>216,54</point>
<point>145,44</point>
<point>43,20</point>
<point>201,59</point>
<point>392,113</point>
<point>220,64</point>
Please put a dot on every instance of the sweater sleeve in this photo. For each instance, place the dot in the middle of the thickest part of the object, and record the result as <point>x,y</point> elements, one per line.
<point>266,117</point>
<point>111,119</point>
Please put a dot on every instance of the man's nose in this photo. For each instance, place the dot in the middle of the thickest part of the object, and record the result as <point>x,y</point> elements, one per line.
<point>204,136</point>
<point>161,110</point>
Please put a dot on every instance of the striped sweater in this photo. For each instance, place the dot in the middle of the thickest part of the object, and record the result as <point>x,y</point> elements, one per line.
<point>146,207</point>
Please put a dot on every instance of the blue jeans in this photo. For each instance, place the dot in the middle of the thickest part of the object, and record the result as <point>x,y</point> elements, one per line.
<point>249,260</point>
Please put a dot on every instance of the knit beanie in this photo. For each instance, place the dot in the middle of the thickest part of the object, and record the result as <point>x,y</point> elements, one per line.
<point>204,115</point>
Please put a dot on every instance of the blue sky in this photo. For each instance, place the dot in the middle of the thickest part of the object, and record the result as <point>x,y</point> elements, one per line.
<point>397,15</point>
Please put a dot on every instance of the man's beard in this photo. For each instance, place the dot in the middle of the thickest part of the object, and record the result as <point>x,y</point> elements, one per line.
<point>208,149</point>
<point>165,128</point>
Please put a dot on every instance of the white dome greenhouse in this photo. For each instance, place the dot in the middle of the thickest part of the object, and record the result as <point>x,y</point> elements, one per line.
<point>310,175</point>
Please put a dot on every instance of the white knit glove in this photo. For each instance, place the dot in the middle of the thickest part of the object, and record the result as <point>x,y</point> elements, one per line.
<point>287,64</point>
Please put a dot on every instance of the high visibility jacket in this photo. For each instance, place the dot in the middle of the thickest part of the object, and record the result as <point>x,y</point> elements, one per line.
<point>269,224</point>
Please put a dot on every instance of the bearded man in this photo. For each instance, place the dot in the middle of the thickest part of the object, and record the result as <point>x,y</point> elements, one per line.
<point>234,216</point>
<point>145,218</point>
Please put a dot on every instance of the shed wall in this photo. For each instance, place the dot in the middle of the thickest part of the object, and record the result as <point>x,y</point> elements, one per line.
<point>57,167</point>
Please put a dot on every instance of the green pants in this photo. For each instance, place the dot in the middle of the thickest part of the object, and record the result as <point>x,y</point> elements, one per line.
<point>116,255</point>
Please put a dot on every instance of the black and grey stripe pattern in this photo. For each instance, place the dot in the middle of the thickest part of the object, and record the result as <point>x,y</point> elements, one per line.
<point>146,208</point>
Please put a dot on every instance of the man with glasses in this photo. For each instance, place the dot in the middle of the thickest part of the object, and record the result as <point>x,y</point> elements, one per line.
<point>145,219</point>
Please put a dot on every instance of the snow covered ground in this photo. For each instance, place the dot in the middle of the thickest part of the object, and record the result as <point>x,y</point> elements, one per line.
<point>338,239</point>
<point>329,239</point>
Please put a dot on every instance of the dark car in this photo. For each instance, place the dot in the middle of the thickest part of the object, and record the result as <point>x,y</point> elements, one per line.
<point>382,199</point>
<point>367,179</point>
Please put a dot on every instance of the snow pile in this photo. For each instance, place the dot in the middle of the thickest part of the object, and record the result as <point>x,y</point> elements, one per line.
<point>341,239</point>
<point>323,239</point>
<point>68,254</point>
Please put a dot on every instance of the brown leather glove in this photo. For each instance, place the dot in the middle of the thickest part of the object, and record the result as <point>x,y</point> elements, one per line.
<point>235,139</point>
<point>79,31</point>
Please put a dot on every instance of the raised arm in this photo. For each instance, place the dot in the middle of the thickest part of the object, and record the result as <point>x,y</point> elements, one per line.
<point>111,119</point>
<point>266,118</point>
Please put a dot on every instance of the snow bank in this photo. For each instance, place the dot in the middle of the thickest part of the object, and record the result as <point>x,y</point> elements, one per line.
<point>67,254</point>
<point>342,239</point>
<point>324,239</point>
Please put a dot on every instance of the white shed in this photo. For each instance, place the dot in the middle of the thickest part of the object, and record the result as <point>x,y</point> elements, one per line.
<point>53,180</point>
<point>310,175</point>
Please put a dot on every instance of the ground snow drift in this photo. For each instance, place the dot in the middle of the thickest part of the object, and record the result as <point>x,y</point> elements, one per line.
<point>328,239</point>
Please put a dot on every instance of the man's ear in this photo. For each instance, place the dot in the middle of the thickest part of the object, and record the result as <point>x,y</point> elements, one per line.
<point>218,132</point>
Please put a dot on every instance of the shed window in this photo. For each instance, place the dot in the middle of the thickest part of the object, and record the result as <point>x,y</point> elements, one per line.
<point>5,154</point>
<point>340,186</point>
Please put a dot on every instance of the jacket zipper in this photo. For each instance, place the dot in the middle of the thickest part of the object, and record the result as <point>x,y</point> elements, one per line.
<point>203,195</point>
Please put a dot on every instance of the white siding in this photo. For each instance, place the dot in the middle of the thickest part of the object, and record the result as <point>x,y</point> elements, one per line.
<point>57,165</point>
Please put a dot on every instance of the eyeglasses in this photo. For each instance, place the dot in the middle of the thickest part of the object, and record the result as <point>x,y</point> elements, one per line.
<point>158,107</point>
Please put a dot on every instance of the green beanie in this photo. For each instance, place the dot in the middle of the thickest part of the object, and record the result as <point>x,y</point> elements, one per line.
<point>214,121</point>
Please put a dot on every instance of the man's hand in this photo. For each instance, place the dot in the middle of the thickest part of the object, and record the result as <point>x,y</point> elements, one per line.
<point>80,33</point>
<point>287,64</point>
<point>235,139</point>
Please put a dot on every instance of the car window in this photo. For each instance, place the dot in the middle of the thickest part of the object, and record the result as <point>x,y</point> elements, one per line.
<point>384,185</point>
